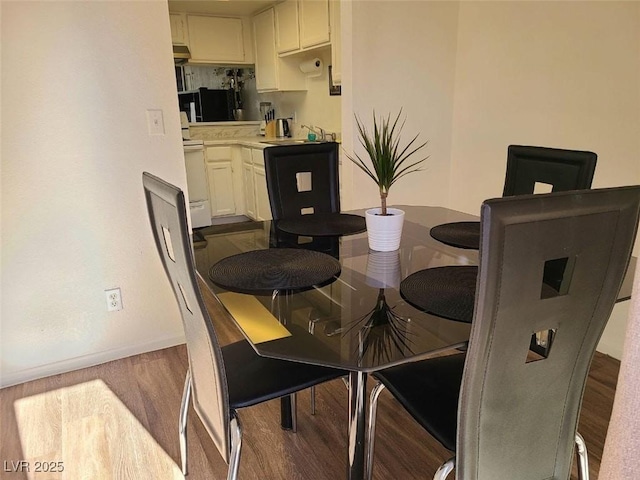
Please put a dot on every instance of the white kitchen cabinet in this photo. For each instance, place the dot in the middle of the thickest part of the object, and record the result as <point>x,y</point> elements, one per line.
<point>273,73</point>
<point>265,51</point>
<point>314,23</point>
<point>221,183</point>
<point>287,30</point>
<point>249,194</point>
<point>263,207</point>
<point>336,41</point>
<point>216,39</point>
<point>247,183</point>
<point>179,33</point>
<point>221,192</point>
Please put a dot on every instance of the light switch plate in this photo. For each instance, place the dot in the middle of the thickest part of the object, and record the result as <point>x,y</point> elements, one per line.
<point>155,122</point>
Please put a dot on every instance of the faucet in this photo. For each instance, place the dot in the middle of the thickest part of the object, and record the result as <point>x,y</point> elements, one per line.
<point>322,133</point>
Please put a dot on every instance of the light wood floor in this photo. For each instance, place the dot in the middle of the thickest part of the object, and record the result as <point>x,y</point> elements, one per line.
<point>119,421</point>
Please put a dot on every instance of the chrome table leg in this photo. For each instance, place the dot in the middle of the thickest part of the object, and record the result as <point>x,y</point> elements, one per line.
<point>357,420</point>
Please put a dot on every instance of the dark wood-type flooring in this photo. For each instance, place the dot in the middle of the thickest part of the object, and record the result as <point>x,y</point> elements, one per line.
<point>150,387</point>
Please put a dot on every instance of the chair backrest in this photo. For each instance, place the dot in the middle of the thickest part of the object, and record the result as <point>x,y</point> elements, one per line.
<point>302,179</point>
<point>518,410</point>
<point>562,169</point>
<point>168,216</point>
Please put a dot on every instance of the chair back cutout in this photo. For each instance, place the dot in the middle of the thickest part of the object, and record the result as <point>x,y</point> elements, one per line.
<point>168,215</point>
<point>532,341</point>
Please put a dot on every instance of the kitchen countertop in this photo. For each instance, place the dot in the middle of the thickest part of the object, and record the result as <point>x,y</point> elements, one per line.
<point>253,142</point>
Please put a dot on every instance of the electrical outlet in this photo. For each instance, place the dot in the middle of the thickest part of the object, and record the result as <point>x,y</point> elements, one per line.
<point>114,300</point>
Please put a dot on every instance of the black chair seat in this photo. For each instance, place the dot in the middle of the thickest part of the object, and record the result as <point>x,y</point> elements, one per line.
<point>255,379</point>
<point>429,391</point>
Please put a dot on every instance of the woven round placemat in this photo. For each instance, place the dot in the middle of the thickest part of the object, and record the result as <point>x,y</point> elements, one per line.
<point>447,292</point>
<point>458,234</point>
<point>323,224</point>
<point>260,272</point>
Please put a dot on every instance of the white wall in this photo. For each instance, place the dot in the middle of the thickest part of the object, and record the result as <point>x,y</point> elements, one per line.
<point>312,107</point>
<point>399,54</point>
<point>558,74</point>
<point>477,76</point>
<point>77,79</point>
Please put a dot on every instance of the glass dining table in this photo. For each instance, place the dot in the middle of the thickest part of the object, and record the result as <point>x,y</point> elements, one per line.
<point>359,321</point>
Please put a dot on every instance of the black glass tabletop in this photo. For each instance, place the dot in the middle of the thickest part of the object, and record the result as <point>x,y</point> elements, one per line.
<point>360,321</point>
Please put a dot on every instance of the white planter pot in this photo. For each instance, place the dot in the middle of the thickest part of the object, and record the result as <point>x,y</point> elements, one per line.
<point>384,231</point>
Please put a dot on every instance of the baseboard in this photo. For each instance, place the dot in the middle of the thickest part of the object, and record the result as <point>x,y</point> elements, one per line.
<point>89,360</point>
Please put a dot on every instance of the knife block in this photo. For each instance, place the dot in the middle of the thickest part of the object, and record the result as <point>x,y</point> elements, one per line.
<point>270,129</point>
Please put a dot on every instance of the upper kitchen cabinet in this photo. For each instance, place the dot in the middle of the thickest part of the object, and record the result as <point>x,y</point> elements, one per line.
<point>314,23</point>
<point>217,40</point>
<point>287,31</point>
<point>273,73</point>
<point>301,25</point>
<point>179,35</point>
<point>213,40</point>
<point>336,41</point>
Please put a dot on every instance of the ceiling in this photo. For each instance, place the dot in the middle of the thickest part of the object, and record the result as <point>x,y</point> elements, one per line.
<point>219,7</point>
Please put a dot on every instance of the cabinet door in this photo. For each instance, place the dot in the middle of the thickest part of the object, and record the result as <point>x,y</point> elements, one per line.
<point>220,176</point>
<point>249,194</point>
<point>287,34</point>
<point>215,39</point>
<point>336,40</point>
<point>263,208</point>
<point>265,51</point>
<point>178,23</point>
<point>314,22</point>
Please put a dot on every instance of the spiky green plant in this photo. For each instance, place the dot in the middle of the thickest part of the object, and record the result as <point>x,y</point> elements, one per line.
<point>389,160</point>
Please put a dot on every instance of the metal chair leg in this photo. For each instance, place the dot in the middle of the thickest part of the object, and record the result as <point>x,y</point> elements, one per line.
<point>236,447</point>
<point>583,459</point>
<point>371,432</point>
<point>182,421</point>
<point>445,469</point>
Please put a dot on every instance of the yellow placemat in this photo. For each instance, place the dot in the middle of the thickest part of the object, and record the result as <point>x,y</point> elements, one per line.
<point>255,320</point>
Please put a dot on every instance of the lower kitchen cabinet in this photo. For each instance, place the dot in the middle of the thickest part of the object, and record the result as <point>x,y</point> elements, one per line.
<point>221,194</point>
<point>221,182</point>
<point>263,207</point>
<point>247,184</point>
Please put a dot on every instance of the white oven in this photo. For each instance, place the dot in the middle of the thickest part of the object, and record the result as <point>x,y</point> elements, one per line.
<point>197,184</point>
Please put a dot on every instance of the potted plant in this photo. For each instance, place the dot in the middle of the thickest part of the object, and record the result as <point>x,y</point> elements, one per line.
<point>389,163</point>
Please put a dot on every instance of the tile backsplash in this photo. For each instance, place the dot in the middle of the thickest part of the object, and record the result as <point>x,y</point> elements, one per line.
<point>225,131</point>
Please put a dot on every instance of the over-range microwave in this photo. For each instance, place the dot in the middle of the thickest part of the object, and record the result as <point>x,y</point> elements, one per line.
<point>207,105</point>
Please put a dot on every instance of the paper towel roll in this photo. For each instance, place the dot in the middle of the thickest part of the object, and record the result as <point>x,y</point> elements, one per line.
<point>312,68</point>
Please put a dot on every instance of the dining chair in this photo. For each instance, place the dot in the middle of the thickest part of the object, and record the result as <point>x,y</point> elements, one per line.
<point>505,410</point>
<point>302,179</point>
<point>221,379</point>
<point>530,169</point>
